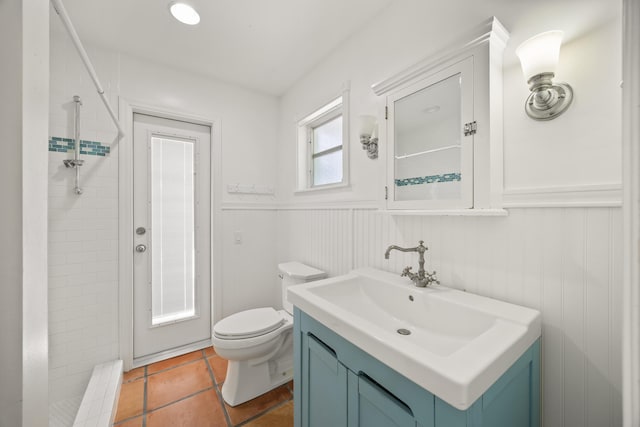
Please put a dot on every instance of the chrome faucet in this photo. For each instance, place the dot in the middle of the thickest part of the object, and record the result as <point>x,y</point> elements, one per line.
<point>422,278</point>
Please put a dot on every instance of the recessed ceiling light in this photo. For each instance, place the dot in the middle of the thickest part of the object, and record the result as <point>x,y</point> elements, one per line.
<point>184,13</point>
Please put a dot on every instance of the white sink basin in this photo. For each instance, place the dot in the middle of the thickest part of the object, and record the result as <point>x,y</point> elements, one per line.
<point>459,343</point>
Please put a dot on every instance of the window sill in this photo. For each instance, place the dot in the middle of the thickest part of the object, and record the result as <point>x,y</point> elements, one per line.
<point>322,188</point>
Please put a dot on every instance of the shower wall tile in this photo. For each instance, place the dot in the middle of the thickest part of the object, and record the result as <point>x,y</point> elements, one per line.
<point>66,145</point>
<point>83,287</point>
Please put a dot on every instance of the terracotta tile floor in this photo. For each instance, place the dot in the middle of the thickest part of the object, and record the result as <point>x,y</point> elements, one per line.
<point>185,392</point>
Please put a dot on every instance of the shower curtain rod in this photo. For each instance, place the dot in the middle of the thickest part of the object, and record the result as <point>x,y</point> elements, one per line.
<point>64,17</point>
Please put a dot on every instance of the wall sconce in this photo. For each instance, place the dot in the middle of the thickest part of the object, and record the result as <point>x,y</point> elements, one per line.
<point>539,58</point>
<point>367,136</point>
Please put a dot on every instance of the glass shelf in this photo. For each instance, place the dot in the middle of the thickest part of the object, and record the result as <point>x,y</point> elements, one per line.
<point>421,153</point>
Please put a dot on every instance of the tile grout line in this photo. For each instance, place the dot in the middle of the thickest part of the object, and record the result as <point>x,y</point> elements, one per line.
<point>218,393</point>
<point>145,377</point>
<point>266,411</point>
<point>181,399</point>
<point>203,356</point>
<point>144,399</point>
<point>216,389</point>
<point>175,366</point>
<point>125,420</point>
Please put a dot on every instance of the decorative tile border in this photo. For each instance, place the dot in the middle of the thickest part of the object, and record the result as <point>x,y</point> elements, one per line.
<point>447,177</point>
<point>91,148</point>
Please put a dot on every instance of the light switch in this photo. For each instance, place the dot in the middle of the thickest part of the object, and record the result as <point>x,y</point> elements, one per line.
<point>237,237</point>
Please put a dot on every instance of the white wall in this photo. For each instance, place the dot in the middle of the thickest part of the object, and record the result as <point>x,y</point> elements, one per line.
<point>11,224</point>
<point>23,226</point>
<point>564,261</point>
<point>581,148</point>
<point>83,233</point>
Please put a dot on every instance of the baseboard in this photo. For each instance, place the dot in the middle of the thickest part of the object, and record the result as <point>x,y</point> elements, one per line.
<point>178,351</point>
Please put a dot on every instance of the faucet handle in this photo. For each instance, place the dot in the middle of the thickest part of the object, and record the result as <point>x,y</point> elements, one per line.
<point>431,277</point>
<point>406,272</point>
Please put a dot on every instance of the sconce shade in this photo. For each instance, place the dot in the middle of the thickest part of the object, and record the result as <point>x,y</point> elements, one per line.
<point>539,58</point>
<point>366,125</point>
<point>539,54</point>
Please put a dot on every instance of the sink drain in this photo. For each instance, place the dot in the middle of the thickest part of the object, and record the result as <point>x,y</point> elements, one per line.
<point>403,331</point>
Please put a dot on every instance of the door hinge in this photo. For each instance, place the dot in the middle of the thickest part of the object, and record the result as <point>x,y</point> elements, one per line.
<point>470,128</point>
<point>386,112</point>
<point>386,192</point>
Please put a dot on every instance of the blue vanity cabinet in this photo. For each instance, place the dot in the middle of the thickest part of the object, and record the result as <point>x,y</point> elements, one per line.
<point>337,384</point>
<point>325,398</point>
<point>370,405</point>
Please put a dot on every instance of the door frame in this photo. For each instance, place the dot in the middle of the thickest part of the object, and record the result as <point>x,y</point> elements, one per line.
<point>631,213</point>
<point>125,218</point>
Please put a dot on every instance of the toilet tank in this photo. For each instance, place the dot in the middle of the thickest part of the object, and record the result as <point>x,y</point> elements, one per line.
<point>295,273</point>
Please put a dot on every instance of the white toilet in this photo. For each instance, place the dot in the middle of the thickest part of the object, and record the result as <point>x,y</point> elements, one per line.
<point>259,343</point>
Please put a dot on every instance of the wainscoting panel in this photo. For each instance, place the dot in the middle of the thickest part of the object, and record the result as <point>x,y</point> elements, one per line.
<point>566,262</point>
<point>319,238</point>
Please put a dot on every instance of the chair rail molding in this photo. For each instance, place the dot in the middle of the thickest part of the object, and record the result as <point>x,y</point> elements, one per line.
<point>585,195</point>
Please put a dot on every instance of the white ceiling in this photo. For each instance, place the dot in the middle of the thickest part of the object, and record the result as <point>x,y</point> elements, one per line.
<point>269,45</point>
<point>263,45</point>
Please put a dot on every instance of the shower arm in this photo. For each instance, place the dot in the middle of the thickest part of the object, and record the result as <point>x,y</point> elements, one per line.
<point>64,17</point>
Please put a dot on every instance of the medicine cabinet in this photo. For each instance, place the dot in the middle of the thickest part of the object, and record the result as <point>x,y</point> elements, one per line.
<point>444,129</point>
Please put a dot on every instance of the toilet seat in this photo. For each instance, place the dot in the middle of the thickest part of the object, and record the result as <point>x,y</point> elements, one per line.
<point>248,324</point>
<point>238,343</point>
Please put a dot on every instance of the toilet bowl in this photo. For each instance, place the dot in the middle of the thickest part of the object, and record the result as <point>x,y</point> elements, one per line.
<point>258,343</point>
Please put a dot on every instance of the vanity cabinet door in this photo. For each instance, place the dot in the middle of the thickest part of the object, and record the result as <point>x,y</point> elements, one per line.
<point>370,405</point>
<point>324,395</point>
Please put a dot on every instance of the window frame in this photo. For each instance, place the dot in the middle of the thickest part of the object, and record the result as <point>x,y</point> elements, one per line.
<point>312,155</point>
<point>336,107</point>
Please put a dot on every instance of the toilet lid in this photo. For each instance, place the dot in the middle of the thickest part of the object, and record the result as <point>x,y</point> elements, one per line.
<point>249,323</point>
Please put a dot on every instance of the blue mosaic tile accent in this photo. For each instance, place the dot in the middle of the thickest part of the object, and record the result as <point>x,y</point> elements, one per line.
<point>90,148</point>
<point>447,177</point>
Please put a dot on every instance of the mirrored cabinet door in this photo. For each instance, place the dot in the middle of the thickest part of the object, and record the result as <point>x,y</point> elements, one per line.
<point>430,159</point>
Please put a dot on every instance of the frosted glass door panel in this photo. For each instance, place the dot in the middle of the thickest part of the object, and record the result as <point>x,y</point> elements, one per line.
<point>427,142</point>
<point>172,230</point>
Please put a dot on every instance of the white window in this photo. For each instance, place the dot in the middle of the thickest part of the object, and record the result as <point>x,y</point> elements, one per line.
<point>322,153</point>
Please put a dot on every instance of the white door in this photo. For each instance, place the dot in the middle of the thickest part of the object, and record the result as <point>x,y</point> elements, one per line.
<point>172,237</point>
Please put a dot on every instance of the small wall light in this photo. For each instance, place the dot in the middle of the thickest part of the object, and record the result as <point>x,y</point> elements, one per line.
<point>367,136</point>
<point>539,58</point>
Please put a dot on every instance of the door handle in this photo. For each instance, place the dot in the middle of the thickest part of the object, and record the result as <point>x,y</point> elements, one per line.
<point>141,248</point>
